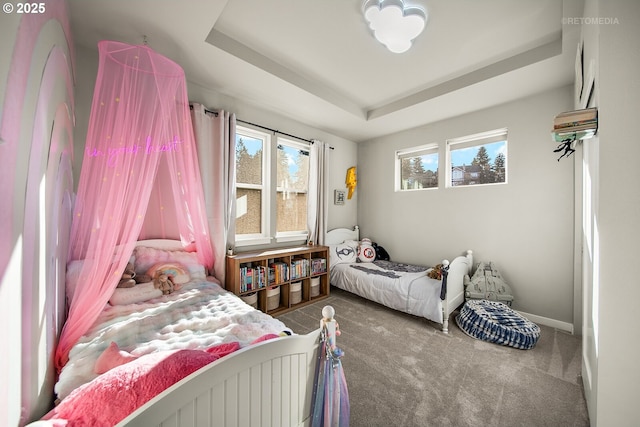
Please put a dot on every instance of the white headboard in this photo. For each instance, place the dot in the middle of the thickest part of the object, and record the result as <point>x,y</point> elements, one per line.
<point>339,235</point>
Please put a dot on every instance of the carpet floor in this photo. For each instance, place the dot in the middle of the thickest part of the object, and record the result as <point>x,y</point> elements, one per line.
<point>401,370</point>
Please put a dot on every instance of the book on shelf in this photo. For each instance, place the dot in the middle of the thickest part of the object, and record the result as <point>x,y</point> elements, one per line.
<point>252,278</point>
<point>577,115</point>
<point>572,119</point>
<point>575,125</point>
<point>278,272</point>
<point>299,268</point>
<point>318,266</point>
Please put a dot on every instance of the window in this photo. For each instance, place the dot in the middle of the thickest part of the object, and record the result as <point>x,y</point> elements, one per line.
<point>417,168</point>
<point>478,159</point>
<point>292,188</point>
<point>270,187</point>
<point>252,214</point>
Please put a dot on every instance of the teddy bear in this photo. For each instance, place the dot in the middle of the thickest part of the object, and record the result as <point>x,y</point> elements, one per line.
<point>142,278</point>
<point>127,280</point>
<point>436,272</point>
<point>164,283</point>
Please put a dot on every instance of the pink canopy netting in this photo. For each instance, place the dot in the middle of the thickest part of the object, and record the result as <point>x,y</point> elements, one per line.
<point>140,177</point>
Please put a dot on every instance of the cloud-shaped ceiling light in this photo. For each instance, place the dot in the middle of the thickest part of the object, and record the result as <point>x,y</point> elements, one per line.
<point>393,24</point>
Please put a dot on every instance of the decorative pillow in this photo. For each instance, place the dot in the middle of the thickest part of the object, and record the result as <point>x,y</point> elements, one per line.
<point>164,244</point>
<point>176,271</point>
<point>112,357</point>
<point>125,388</point>
<point>352,243</point>
<point>366,251</point>
<point>139,293</point>
<point>342,253</point>
<point>147,257</point>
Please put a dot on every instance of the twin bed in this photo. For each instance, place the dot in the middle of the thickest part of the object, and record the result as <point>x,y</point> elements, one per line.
<point>403,287</point>
<point>200,356</point>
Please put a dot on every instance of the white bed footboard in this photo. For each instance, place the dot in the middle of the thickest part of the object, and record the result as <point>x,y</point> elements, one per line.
<point>268,384</point>
<point>460,267</point>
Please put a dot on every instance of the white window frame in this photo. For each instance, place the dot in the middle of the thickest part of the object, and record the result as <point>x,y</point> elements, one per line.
<point>298,235</point>
<point>263,237</point>
<point>477,139</point>
<point>269,189</point>
<point>421,150</point>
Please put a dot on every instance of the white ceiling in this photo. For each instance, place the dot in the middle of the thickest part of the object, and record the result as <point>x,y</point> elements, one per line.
<point>317,62</point>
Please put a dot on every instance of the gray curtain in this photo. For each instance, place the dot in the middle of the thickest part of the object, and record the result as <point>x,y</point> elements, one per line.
<point>215,135</point>
<point>318,208</point>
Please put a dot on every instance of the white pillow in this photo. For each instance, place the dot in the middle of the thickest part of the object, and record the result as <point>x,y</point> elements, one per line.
<point>166,244</point>
<point>342,253</point>
<point>139,293</point>
<point>366,252</point>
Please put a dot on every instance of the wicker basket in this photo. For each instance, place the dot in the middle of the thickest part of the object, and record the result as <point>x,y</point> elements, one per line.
<point>315,287</point>
<point>296,293</point>
<point>251,299</point>
<point>273,298</point>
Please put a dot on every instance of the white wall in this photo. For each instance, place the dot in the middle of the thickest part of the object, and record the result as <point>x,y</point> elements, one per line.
<point>611,373</point>
<point>87,70</point>
<point>525,226</point>
<point>36,98</point>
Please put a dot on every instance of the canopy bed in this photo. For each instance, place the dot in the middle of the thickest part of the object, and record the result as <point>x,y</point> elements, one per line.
<point>195,354</point>
<point>403,287</point>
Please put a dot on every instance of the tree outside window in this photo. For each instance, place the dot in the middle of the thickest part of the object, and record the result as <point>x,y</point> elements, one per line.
<point>292,187</point>
<point>417,168</point>
<point>478,159</point>
<point>249,184</point>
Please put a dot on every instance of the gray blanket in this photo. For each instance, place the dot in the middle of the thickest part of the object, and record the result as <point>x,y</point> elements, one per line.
<point>390,268</point>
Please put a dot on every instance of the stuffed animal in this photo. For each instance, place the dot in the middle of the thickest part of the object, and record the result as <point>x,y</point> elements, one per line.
<point>436,272</point>
<point>142,278</point>
<point>127,279</point>
<point>164,283</point>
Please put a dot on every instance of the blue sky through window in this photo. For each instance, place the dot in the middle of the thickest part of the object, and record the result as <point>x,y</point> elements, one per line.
<point>253,145</point>
<point>291,154</point>
<point>464,156</point>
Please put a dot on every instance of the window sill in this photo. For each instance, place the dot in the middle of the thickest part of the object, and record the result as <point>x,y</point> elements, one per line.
<point>292,238</point>
<point>253,242</point>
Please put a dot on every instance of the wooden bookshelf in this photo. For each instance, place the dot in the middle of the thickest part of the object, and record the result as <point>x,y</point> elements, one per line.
<point>299,273</point>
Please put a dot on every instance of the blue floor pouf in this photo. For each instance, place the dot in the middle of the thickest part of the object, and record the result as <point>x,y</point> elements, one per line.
<point>495,322</point>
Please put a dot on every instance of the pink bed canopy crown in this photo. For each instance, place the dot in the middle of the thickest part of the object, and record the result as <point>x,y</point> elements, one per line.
<point>140,177</point>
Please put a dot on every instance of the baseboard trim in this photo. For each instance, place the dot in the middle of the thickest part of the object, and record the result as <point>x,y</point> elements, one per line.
<point>563,326</point>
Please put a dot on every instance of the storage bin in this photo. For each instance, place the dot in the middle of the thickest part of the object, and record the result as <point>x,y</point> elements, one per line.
<point>273,298</point>
<point>315,287</point>
<point>251,299</point>
<point>296,293</point>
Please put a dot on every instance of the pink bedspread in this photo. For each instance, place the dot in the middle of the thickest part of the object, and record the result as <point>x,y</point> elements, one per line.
<point>112,396</point>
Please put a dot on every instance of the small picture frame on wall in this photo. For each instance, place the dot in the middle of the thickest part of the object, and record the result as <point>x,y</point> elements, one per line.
<point>338,197</point>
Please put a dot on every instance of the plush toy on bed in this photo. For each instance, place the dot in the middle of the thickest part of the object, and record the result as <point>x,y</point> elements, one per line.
<point>142,278</point>
<point>436,272</point>
<point>127,280</point>
<point>164,283</point>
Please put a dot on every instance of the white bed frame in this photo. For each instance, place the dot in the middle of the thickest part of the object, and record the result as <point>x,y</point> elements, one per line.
<point>460,267</point>
<point>268,384</point>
